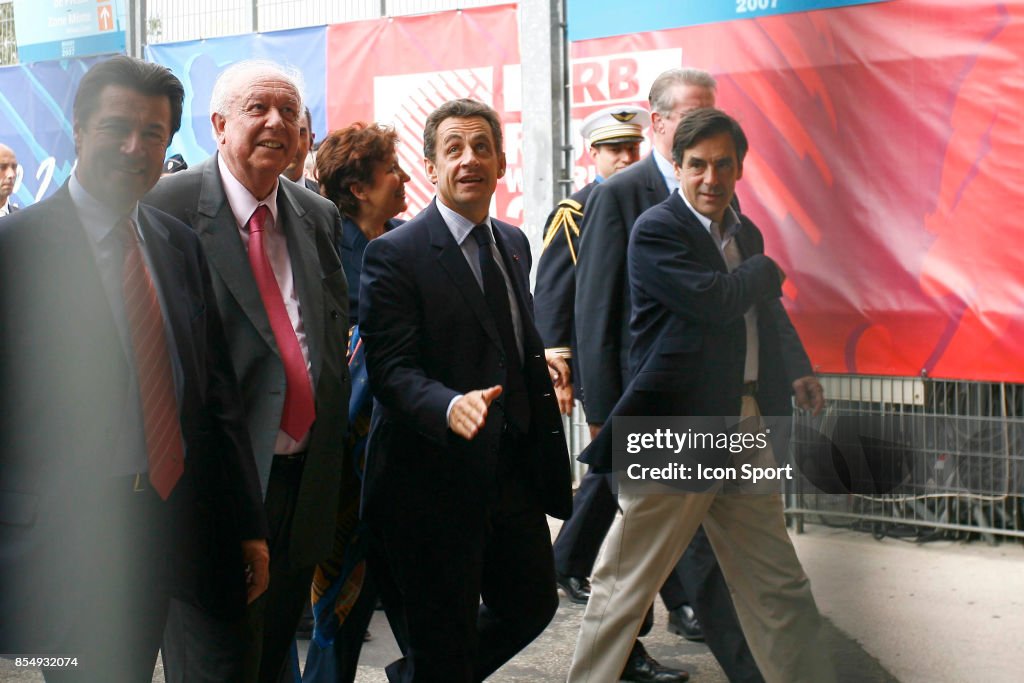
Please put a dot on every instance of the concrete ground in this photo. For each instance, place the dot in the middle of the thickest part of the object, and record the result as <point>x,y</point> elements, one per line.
<point>895,611</point>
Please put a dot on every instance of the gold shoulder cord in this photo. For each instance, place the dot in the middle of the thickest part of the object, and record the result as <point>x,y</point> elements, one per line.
<point>565,220</point>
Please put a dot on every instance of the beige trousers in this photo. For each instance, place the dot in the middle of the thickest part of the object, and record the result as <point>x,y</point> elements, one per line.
<point>771,593</point>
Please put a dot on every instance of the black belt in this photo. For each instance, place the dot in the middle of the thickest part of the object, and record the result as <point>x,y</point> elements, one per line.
<point>291,458</point>
<point>749,389</point>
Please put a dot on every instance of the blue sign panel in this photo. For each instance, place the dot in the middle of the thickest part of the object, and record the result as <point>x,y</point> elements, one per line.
<point>35,121</point>
<point>59,29</point>
<point>604,18</point>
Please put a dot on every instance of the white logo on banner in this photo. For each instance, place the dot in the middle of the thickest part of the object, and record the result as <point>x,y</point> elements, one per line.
<point>406,101</point>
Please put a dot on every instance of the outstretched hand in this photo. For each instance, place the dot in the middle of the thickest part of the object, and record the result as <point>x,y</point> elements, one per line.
<point>469,414</point>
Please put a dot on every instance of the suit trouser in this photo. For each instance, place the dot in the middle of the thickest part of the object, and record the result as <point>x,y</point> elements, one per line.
<point>476,586</point>
<point>121,606</point>
<point>199,647</point>
<point>771,593</point>
<point>696,579</point>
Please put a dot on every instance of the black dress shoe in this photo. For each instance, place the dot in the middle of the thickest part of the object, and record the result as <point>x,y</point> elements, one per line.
<point>683,622</point>
<point>576,588</point>
<point>643,668</point>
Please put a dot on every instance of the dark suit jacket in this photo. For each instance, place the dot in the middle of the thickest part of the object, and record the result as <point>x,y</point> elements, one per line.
<point>351,247</point>
<point>310,222</point>
<point>554,294</point>
<point>689,344</point>
<point>65,379</point>
<point>602,285</point>
<point>430,336</point>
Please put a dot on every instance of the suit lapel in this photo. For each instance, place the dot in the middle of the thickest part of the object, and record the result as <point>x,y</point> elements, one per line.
<point>657,191</point>
<point>306,272</point>
<point>224,250</point>
<point>168,267</point>
<point>453,261</point>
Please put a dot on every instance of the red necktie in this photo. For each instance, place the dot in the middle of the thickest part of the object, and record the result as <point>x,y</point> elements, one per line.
<point>160,419</point>
<point>299,412</point>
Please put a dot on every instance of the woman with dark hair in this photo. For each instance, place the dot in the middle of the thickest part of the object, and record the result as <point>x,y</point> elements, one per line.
<point>358,170</point>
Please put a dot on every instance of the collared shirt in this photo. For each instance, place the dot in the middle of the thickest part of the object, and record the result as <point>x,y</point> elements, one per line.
<point>128,456</point>
<point>243,205</point>
<point>460,227</point>
<point>6,208</point>
<point>668,171</point>
<point>724,236</point>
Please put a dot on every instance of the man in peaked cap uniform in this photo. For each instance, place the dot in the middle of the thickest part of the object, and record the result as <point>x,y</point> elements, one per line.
<point>613,135</point>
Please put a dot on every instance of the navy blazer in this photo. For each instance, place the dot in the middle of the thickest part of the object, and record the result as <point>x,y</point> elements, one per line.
<point>430,336</point>
<point>602,285</point>
<point>689,343</point>
<point>65,379</point>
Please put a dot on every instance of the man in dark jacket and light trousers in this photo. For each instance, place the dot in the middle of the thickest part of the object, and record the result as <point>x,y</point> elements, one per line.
<point>710,339</point>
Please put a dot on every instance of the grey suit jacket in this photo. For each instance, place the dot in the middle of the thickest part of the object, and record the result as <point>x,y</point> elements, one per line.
<point>196,196</point>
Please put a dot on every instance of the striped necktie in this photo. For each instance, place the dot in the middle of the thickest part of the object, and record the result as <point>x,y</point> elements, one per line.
<point>161,422</point>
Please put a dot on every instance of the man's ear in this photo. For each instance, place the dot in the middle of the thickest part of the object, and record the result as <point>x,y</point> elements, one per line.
<point>78,138</point>
<point>430,169</point>
<point>218,121</point>
<point>501,165</point>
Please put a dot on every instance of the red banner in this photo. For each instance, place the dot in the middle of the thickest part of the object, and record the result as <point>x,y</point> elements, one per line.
<point>398,70</point>
<point>885,167</point>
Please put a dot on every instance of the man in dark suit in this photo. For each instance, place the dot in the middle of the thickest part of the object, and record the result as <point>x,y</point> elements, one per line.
<point>296,170</point>
<point>695,592</point>
<point>466,450</point>
<point>614,135</point>
<point>126,472</point>
<point>8,175</point>
<point>710,339</point>
<point>283,298</point>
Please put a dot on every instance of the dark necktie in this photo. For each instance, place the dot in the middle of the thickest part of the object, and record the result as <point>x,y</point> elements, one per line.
<point>513,400</point>
<point>299,412</point>
<point>161,423</point>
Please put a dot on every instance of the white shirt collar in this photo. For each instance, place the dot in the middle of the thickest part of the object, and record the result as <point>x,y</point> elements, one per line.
<point>668,171</point>
<point>730,221</point>
<point>242,203</point>
<point>97,218</point>
<point>458,225</point>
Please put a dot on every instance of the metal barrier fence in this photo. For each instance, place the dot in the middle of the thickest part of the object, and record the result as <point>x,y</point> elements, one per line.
<point>962,476</point>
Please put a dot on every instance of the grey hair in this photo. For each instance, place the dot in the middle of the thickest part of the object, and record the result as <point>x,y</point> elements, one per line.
<point>661,90</point>
<point>232,82</point>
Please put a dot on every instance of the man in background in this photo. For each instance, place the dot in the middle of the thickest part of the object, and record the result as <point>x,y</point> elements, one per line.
<point>8,176</point>
<point>296,171</point>
<point>614,135</point>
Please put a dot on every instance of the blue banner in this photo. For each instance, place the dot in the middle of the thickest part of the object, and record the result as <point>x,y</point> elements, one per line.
<point>35,121</point>
<point>604,18</point>
<point>198,63</point>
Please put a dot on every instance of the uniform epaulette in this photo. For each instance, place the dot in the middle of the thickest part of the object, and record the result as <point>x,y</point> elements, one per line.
<point>565,220</point>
